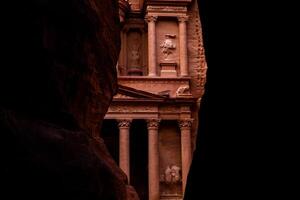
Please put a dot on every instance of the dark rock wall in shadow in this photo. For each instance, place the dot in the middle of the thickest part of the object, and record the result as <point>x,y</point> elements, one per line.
<point>57,79</point>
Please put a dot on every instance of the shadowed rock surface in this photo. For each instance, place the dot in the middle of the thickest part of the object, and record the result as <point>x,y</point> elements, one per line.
<point>57,80</point>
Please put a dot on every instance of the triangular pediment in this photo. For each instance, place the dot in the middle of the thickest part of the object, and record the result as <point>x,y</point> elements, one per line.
<point>125,92</point>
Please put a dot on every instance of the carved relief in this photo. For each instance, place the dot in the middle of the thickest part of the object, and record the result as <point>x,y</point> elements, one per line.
<point>153,123</point>
<point>124,123</point>
<point>185,123</point>
<point>172,175</point>
<point>134,54</point>
<point>168,46</point>
<point>183,90</point>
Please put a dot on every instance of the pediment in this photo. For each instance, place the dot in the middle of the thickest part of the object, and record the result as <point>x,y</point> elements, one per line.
<point>125,92</point>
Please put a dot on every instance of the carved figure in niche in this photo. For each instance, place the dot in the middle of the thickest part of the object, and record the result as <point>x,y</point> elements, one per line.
<point>134,56</point>
<point>168,46</point>
<point>134,49</point>
<point>172,175</point>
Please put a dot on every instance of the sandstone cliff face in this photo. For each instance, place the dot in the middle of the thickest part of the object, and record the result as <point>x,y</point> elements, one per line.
<point>55,88</point>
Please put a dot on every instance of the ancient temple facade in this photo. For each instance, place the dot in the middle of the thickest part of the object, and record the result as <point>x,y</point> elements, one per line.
<point>151,126</point>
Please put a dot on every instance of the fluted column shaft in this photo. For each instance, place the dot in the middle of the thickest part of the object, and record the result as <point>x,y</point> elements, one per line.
<point>151,45</point>
<point>124,146</point>
<point>153,159</point>
<point>184,71</point>
<point>186,149</point>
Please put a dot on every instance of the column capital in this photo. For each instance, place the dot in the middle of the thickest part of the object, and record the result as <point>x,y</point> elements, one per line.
<point>185,123</point>
<point>124,123</point>
<point>153,123</point>
<point>182,18</point>
<point>151,18</point>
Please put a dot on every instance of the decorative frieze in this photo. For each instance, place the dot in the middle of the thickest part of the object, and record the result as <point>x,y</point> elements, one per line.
<point>131,109</point>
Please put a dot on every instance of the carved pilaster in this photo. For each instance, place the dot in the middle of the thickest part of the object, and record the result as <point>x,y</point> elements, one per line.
<point>184,70</point>
<point>153,159</point>
<point>151,45</point>
<point>153,123</point>
<point>186,149</point>
<point>124,144</point>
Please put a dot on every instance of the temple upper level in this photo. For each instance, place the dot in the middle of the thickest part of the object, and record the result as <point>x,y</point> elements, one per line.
<point>162,39</point>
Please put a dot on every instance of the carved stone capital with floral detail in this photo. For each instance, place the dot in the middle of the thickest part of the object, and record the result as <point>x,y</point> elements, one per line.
<point>185,123</point>
<point>124,123</point>
<point>183,18</point>
<point>153,123</point>
<point>151,18</point>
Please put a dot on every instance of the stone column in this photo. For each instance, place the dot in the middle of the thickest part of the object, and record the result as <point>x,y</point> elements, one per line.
<point>124,145</point>
<point>153,159</point>
<point>184,71</point>
<point>186,149</point>
<point>151,45</point>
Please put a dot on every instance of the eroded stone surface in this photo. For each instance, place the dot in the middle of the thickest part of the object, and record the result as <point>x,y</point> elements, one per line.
<point>55,87</point>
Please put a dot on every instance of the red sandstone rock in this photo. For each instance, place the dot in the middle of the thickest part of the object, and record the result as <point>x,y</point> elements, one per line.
<point>55,88</point>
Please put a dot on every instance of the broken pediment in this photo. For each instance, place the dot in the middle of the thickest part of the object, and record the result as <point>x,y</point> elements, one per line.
<point>125,92</point>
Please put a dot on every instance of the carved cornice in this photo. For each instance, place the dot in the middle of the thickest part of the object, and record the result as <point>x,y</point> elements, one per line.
<point>124,123</point>
<point>185,123</point>
<point>151,18</point>
<point>153,123</point>
<point>182,9</point>
<point>153,80</point>
<point>183,18</point>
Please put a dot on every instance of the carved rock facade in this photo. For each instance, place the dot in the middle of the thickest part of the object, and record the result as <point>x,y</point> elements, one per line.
<point>162,71</point>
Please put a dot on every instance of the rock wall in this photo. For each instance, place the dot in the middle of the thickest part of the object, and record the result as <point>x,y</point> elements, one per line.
<point>57,80</point>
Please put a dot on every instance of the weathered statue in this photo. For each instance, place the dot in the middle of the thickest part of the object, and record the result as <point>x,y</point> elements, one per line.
<point>168,46</point>
<point>172,174</point>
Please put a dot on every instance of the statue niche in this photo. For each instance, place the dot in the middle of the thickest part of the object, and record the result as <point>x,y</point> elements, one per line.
<point>134,55</point>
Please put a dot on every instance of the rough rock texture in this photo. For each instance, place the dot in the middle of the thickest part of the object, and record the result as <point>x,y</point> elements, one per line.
<point>57,79</point>
<point>197,61</point>
<point>200,177</point>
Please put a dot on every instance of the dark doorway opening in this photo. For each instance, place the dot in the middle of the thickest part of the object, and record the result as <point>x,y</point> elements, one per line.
<point>110,135</point>
<point>139,158</point>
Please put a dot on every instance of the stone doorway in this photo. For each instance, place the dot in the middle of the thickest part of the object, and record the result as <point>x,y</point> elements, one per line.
<point>139,157</point>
